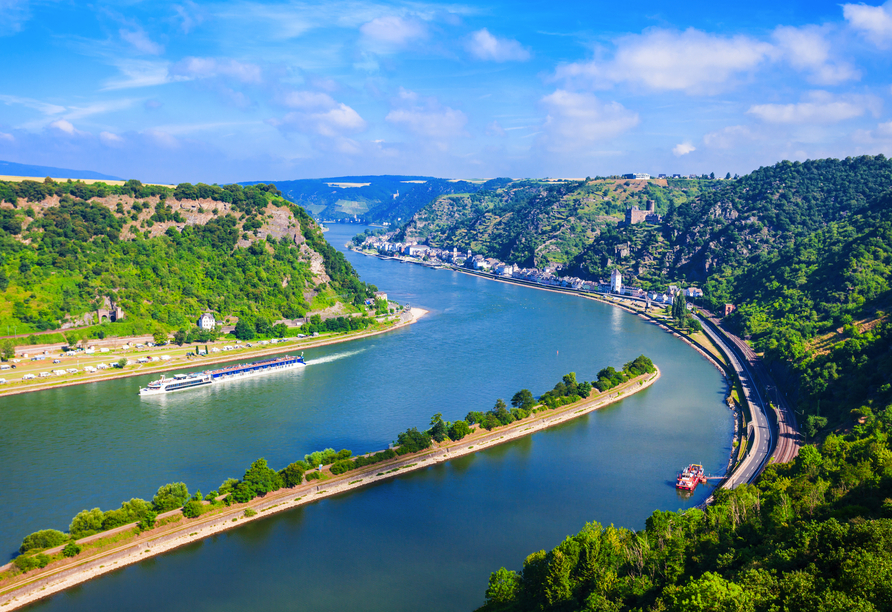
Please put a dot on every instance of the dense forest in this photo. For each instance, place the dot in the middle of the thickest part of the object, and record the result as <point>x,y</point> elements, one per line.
<point>162,254</point>
<point>812,535</point>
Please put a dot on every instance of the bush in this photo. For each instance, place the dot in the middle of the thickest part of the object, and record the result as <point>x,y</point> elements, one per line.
<point>86,522</point>
<point>26,563</point>
<point>474,417</point>
<point>412,441</point>
<point>46,538</point>
<point>249,512</point>
<point>345,465</point>
<point>458,430</point>
<point>192,509</point>
<point>314,476</point>
<point>170,497</point>
<point>490,422</point>
<point>293,474</point>
<point>71,550</point>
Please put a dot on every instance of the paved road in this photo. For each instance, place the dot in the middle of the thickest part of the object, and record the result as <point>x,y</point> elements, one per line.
<point>788,436</point>
<point>760,435</point>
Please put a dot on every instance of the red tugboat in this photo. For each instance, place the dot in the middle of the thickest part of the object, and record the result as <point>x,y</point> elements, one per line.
<point>690,478</point>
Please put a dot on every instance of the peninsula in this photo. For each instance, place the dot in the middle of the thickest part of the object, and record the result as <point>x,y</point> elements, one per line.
<point>110,550</point>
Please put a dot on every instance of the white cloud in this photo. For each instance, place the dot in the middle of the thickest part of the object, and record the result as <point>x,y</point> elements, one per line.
<point>394,31</point>
<point>7,137</point>
<point>819,107</point>
<point>110,139</point>
<point>728,137</point>
<point>874,21</point>
<point>140,73</point>
<point>64,126</point>
<point>13,14</point>
<point>485,46</point>
<point>666,60</point>
<point>208,67</point>
<point>577,120</point>
<point>162,138</point>
<point>807,49</point>
<point>190,15</point>
<point>318,114</point>
<point>140,41</point>
<point>683,148</point>
<point>429,118</point>
<point>43,107</point>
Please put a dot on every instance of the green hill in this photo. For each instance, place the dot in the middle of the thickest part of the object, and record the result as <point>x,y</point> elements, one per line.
<point>163,255</point>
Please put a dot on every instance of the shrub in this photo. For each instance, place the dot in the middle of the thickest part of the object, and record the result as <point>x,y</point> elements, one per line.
<point>412,440</point>
<point>345,465</point>
<point>474,417</point>
<point>249,512</point>
<point>46,538</point>
<point>293,474</point>
<point>71,550</point>
<point>170,497</point>
<point>192,508</point>
<point>25,563</point>
<point>86,522</point>
<point>490,422</point>
<point>459,430</point>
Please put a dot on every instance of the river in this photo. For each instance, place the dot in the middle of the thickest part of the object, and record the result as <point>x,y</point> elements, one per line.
<point>425,540</point>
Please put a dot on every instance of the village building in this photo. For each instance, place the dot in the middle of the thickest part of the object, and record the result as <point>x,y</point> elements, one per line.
<point>207,321</point>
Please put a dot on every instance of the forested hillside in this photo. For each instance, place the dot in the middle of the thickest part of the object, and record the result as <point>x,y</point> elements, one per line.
<point>370,199</point>
<point>539,223</point>
<point>163,255</point>
<point>812,536</point>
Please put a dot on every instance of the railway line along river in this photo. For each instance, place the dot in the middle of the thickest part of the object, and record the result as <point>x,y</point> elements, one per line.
<point>427,539</point>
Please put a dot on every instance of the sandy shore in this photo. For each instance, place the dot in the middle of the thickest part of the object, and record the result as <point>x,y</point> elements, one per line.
<point>42,583</point>
<point>180,363</point>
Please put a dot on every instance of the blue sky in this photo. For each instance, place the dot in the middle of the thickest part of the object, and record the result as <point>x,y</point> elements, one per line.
<point>233,91</point>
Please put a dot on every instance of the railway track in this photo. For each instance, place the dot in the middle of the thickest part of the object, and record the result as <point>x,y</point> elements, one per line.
<point>788,438</point>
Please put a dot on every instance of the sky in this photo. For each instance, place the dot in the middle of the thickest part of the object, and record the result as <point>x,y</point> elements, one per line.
<point>244,90</point>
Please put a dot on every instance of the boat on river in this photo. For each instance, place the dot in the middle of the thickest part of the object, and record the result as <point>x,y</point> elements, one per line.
<point>690,477</point>
<point>181,382</point>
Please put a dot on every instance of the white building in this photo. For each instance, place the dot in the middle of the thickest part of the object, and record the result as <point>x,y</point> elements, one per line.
<point>616,282</point>
<point>207,321</point>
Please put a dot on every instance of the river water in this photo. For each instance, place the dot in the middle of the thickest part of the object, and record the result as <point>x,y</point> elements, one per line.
<point>425,540</point>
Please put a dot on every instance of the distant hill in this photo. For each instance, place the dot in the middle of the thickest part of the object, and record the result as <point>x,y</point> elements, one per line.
<point>14,169</point>
<point>369,199</point>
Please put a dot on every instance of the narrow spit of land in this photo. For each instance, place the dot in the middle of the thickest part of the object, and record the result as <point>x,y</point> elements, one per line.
<point>27,588</point>
<point>178,357</point>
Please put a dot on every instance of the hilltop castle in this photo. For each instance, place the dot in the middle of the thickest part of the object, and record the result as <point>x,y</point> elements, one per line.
<point>635,215</point>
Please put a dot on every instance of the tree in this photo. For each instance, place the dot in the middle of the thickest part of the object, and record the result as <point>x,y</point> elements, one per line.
<point>244,330</point>
<point>170,497</point>
<point>279,330</point>
<point>71,550</point>
<point>523,399</point>
<point>192,508</point>
<point>46,538</point>
<point>86,522</point>
<point>438,428</point>
<point>458,430</point>
<point>293,474</point>
<point>122,362</point>
<point>679,308</point>
<point>504,587</point>
<point>262,478</point>
<point>7,349</point>
<point>159,337</point>
<point>262,326</point>
<point>179,337</point>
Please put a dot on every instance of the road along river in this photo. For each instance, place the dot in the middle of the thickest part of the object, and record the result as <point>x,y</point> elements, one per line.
<point>427,539</point>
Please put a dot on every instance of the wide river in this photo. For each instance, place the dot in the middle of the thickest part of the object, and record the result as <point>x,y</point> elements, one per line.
<point>426,540</point>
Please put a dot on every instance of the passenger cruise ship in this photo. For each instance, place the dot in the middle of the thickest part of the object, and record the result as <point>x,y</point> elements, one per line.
<point>181,382</point>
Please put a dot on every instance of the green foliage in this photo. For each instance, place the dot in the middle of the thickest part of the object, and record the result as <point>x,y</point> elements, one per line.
<point>71,550</point>
<point>815,534</point>
<point>523,399</point>
<point>258,480</point>
<point>293,474</point>
<point>170,497</point>
<point>192,508</point>
<point>438,430</point>
<point>458,430</point>
<point>26,563</point>
<point>46,538</point>
<point>86,522</point>
<point>412,441</point>
<point>75,258</point>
